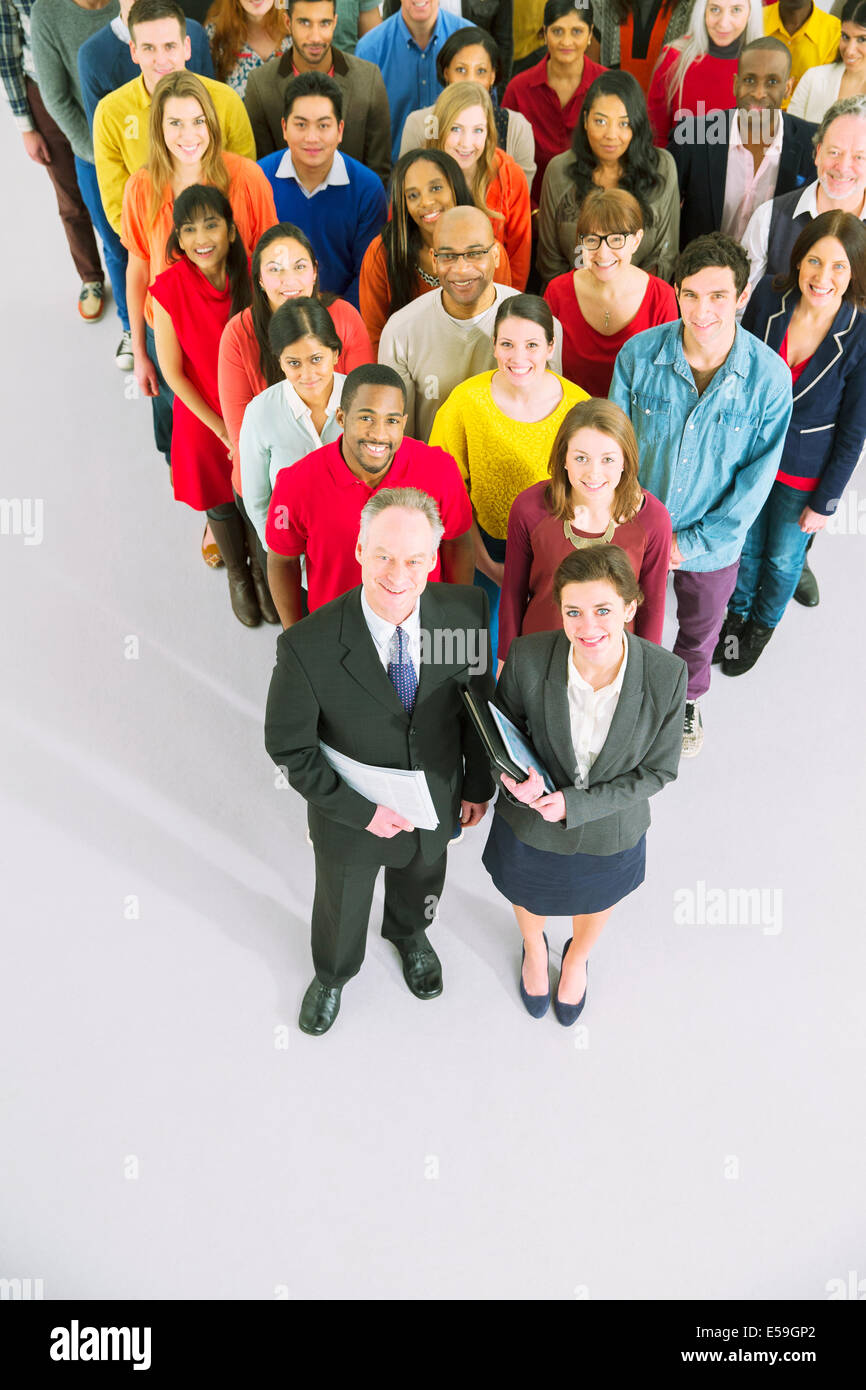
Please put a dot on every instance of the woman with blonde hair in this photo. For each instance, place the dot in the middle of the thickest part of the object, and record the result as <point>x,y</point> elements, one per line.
<point>244,34</point>
<point>186,148</point>
<point>593,497</point>
<point>463,125</point>
<point>696,73</point>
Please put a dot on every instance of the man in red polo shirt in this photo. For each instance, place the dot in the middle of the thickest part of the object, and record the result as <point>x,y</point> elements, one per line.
<point>316,505</point>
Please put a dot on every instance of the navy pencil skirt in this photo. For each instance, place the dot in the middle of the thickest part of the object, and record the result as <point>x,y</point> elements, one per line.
<point>560,885</point>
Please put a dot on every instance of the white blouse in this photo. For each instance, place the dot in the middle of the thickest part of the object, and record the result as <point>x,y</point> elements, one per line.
<point>817,89</point>
<point>591,712</point>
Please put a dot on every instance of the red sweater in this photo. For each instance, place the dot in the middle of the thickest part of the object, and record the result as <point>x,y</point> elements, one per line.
<point>708,85</point>
<point>537,545</point>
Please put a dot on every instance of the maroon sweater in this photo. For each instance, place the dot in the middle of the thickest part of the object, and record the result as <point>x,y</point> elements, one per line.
<point>537,545</point>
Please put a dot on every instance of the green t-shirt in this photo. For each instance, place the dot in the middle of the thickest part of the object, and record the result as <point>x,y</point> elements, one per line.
<point>346,32</point>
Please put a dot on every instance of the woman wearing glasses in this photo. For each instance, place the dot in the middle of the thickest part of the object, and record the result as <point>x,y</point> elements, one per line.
<point>611,148</point>
<point>608,299</point>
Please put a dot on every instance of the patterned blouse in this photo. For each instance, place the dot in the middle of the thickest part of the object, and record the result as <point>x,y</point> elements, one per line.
<point>246,62</point>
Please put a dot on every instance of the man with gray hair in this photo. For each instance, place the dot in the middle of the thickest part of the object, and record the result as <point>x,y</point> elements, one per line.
<point>376,675</point>
<point>840,163</point>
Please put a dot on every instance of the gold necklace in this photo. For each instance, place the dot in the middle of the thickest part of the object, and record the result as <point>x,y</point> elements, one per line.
<point>580,541</point>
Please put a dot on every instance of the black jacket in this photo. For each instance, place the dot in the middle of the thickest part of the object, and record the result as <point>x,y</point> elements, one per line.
<point>330,686</point>
<point>702,169</point>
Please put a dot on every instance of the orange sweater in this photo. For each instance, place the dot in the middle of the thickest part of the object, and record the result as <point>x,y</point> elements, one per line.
<point>375,287</point>
<point>249,194</point>
<point>509,194</point>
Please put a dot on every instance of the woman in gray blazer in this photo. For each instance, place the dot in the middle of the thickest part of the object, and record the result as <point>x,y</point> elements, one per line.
<point>603,711</point>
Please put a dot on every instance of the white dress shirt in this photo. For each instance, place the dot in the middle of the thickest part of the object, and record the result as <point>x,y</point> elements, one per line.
<point>591,712</point>
<point>382,633</point>
<point>745,186</point>
<point>336,175</point>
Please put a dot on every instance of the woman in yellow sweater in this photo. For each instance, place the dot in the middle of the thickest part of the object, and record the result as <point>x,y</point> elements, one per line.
<point>500,427</point>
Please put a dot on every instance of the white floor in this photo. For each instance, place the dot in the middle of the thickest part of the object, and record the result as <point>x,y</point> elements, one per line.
<point>168,1131</point>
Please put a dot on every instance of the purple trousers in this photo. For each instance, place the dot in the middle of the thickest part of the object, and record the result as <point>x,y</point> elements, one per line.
<point>701,602</point>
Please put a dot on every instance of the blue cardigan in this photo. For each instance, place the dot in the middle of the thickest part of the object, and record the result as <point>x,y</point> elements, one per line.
<point>828,426</point>
<point>340,220</point>
<point>105,63</point>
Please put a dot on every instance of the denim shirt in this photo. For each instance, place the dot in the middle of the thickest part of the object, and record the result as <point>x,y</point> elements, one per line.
<point>710,459</point>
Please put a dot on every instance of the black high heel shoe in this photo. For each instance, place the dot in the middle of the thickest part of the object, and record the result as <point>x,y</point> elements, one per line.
<point>569,1013</point>
<point>536,1004</point>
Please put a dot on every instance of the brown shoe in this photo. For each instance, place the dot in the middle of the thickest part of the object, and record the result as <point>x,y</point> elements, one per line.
<point>232,543</point>
<point>211,553</point>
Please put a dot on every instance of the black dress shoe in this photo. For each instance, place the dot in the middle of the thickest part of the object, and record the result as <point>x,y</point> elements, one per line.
<point>422,971</point>
<point>752,643</point>
<point>536,1004</point>
<point>732,631</point>
<point>567,1014</point>
<point>320,1007</point>
<point>806,591</point>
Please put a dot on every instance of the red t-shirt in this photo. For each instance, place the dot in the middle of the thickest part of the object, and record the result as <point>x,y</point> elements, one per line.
<point>316,509</point>
<point>792,479</point>
<point>587,355</point>
<point>552,124</point>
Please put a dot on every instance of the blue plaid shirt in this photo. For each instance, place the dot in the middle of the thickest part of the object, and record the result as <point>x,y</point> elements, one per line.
<point>16,60</point>
<point>711,459</point>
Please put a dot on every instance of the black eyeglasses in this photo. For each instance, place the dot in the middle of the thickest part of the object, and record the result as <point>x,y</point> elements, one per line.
<point>615,240</point>
<point>474,254</point>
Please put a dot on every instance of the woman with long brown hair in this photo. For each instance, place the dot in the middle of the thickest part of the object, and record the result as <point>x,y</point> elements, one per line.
<point>186,148</point>
<point>593,497</point>
<point>243,35</point>
<point>398,265</point>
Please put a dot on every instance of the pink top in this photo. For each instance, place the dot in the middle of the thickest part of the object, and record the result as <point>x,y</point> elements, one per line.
<point>587,355</point>
<point>708,85</point>
<point>537,545</point>
<point>240,376</point>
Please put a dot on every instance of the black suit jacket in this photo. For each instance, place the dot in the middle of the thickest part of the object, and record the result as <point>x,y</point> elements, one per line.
<point>702,170</point>
<point>330,686</point>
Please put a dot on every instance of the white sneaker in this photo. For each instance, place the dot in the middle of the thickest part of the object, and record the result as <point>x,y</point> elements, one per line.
<point>90,300</point>
<point>124,358</point>
<point>693,730</point>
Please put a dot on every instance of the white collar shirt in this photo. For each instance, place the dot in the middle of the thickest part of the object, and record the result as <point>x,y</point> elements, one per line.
<point>336,176</point>
<point>745,186</point>
<point>382,633</point>
<point>591,712</point>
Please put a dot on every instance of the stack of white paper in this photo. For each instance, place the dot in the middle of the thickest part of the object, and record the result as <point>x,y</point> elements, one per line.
<point>403,791</point>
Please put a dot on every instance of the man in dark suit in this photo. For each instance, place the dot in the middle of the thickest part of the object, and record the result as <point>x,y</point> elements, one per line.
<point>376,675</point>
<point>728,162</point>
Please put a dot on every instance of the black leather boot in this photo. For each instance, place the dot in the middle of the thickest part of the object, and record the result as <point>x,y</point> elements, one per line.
<point>806,591</point>
<point>753,641</point>
<point>230,536</point>
<point>260,579</point>
<point>730,637</point>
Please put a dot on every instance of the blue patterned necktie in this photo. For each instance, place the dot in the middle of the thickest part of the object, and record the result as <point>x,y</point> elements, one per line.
<point>401,671</point>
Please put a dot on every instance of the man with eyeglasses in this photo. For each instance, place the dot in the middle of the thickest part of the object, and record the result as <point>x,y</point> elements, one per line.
<point>444,337</point>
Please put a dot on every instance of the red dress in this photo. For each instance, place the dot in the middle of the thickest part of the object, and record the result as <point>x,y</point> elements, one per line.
<point>587,355</point>
<point>200,465</point>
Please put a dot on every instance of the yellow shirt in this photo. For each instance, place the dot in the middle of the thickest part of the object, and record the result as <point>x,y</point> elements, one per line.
<point>815,42</point>
<point>498,457</point>
<point>527,22</point>
<point>121,135</point>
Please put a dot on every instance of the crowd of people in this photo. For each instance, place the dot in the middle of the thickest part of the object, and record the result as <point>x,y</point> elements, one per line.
<point>542,301</point>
